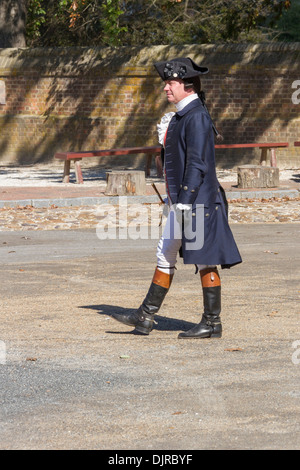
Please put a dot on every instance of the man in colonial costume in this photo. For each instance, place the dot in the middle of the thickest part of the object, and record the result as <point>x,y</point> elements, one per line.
<point>197,225</point>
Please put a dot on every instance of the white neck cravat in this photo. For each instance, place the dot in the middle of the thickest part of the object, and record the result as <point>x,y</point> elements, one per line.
<point>183,103</point>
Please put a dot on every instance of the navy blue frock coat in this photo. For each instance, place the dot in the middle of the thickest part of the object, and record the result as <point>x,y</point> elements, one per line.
<point>189,160</point>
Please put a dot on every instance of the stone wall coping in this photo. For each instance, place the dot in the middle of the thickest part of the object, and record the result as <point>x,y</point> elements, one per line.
<point>138,61</point>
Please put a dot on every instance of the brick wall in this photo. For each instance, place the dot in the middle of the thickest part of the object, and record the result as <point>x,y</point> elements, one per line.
<point>84,99</point>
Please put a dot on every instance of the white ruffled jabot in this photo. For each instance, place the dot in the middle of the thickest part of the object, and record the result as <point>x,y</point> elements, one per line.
<point>163,126</point>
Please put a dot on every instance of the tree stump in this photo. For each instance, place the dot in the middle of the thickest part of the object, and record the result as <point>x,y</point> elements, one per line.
<point>256,176</point>
<point>125,183</point>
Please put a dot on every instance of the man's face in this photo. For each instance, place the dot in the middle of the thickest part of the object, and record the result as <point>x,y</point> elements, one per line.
<point>175,90</point>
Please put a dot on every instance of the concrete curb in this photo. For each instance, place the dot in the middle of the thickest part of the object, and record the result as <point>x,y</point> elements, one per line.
<point>78,201</point>
<point>261,194</point>
<point>148,199</point>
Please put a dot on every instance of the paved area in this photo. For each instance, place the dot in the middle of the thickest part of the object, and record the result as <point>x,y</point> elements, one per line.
<point>73,378</point>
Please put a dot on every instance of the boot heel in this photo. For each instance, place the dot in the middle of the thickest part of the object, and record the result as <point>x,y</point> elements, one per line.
<point>216,335</point>
<point>143,330</point>
<point>216,331</point>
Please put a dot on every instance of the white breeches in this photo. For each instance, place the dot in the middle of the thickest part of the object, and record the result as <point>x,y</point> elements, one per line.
<point>169,245</point>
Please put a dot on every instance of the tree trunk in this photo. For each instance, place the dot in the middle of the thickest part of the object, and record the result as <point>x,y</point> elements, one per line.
<point>12,23</point>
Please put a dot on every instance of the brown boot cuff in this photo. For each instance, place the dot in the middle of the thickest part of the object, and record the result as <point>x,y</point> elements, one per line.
<point>210,277</point>
<point>162,279</point>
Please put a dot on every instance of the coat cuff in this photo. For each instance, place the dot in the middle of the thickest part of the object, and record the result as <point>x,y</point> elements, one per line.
<point>188,194</point>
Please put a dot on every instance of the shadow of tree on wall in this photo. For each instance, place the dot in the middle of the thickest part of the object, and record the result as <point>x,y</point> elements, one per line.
<point>83,99</point>
<point>66,74</point>
<point>254,102</point>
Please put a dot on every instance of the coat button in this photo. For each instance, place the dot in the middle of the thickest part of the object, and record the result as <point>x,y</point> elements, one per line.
<point>217,208</point>
<point>185,188</point>
<point>207,214</point>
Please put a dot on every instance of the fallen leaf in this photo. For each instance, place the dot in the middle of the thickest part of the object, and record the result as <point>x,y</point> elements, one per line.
<point>33,359</point>
<point>233,349</point>
<point>272,313</point>
<point>124,356</point>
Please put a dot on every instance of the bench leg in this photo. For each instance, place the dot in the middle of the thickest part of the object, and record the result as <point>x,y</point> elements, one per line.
<point>148,164</point>
<point>67,166</point>
<point>78,172</point>
<point>263,157</point>
<point>159,166</point>
<point>273,158</point>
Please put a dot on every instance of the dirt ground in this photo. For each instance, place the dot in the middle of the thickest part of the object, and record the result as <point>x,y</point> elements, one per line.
<point>71,377</point>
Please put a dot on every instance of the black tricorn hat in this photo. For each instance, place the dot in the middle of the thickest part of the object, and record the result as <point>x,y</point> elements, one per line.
<point>183,68</point>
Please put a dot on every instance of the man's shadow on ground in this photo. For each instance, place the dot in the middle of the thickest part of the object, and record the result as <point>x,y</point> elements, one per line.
<point>163,323</point>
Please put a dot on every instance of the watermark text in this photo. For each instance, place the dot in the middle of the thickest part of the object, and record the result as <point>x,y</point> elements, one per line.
<point>2,352</point>
<point>144,221</point>
<point>296,94</point>
<point>296,353</point>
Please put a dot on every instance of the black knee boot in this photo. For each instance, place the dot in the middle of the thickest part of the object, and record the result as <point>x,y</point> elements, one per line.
<point>143,318</point>
<point>210,325</point>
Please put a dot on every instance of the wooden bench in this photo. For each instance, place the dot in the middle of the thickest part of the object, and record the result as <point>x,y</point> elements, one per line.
<point>264,147</point>
<point>78,156</point>
<point>155,151</point>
